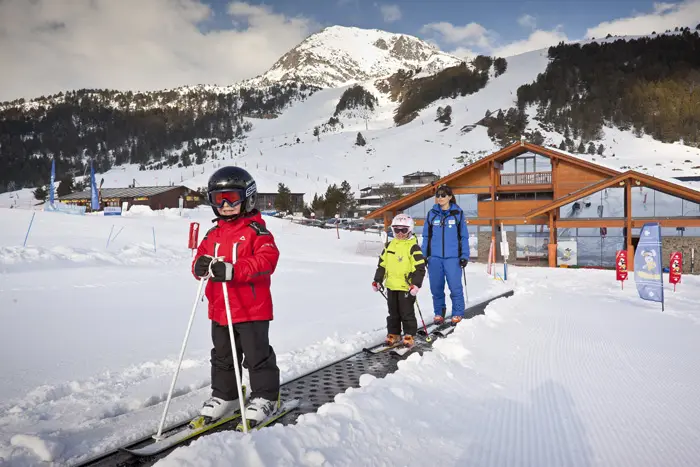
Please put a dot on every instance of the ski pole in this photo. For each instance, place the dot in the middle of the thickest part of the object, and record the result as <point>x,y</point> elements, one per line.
<point>158,435</point>
<point>466,293</point>
<point>232,337</point>
<point>425,328</point>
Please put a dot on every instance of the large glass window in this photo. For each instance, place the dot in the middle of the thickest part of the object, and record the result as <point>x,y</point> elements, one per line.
<point>419,210</point>
<point>591,246</point>
<point>527,163</point>
<point>607,203</point>
<point>647,202</point>
<point>468,203</point>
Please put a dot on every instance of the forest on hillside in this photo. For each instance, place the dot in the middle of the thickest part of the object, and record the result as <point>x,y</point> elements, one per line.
<point>649,85</point>
<point>113,128</point>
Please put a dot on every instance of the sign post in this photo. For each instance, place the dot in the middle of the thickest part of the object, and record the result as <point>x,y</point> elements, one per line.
<point>675,269</point>
<point>194,233</point>
<point>337,225</point>
<point>504,251</point>
<point>621,267</point>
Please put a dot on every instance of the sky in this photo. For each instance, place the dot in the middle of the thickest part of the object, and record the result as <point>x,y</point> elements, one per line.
<point>49,46</point>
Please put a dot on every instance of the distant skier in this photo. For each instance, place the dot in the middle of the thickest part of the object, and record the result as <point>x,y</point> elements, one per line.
<point>402,265</point>
<point>446,247</point>
<point>241,232</point>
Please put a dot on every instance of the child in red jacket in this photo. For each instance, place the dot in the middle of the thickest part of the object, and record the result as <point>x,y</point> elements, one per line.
<point>249,258</point>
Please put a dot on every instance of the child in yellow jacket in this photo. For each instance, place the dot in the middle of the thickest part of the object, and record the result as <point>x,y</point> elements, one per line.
<point>402,266</point>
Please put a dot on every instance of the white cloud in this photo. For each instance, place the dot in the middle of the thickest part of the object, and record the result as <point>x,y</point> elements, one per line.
<point>537,40</point>
<point>664,16</point>
<point>473,39</point>
<point>48,46</point>
<point>527,21</point>
<point>463,52</point>
<point>390,13</point>
<point>469,35</point>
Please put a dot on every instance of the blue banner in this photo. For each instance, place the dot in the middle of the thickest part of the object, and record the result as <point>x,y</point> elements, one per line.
<point>648,275</point>
<point>95,205</point>
<point>53,180</point>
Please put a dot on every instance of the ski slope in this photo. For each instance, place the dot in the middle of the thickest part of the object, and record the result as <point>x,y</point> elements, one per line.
<point>570,371</point>
<point>271,151</point>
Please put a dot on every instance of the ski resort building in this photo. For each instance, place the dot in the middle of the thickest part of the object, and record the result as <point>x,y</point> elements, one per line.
<point>156,197</point>
<point>375,196</point>
<point>558,209</point>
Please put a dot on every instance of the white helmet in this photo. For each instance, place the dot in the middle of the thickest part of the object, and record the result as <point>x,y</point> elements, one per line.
<point>403,220</point>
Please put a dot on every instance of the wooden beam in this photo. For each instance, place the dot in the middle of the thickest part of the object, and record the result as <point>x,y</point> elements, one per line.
<point>628,225</point>
<point>552,247</point>
<point>476,221</point>
<point>589,223</point>
<point>493,200</point>
<point>524,188</point>
<point>668,222</point>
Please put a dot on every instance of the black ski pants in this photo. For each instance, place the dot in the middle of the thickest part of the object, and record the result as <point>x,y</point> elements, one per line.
<point>255,354</point>
<point>401,313</point>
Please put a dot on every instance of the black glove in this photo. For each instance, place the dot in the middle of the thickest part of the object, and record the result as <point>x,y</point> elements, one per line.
<point>221,272</point>
<point>463,263</point>
<point>201,266</point>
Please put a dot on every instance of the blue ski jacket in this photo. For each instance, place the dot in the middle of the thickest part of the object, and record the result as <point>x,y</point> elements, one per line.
<point>445,233</point>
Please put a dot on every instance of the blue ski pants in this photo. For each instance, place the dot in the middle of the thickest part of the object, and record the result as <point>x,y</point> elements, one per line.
<point>440,269</point>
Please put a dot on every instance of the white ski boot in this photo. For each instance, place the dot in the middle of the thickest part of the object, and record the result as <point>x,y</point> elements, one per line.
<point>259,410</point>
<point>215,408</point>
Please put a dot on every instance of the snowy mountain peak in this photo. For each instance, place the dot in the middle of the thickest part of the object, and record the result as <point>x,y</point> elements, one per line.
<point>340,55</point>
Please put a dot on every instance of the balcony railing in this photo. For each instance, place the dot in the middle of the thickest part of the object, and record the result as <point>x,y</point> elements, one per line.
<point>528,178</point>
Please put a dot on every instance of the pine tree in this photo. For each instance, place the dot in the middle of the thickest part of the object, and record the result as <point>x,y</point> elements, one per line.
<point>66,186</point>
<point>41,193</point>
<point>500,65</point>
<point>360,140</point>
<point>283,200</point>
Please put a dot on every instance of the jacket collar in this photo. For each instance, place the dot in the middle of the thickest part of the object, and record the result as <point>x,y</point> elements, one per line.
<point>246,219</point>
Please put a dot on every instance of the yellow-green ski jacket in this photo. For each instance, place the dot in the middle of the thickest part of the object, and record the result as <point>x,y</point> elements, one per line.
<point>401,264</point>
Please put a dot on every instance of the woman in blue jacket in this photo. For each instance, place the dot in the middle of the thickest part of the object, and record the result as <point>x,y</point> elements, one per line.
<point>446,247</point>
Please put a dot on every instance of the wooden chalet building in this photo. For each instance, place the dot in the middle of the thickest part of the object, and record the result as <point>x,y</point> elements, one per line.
<point>155,197</point>
<point>560,210</point>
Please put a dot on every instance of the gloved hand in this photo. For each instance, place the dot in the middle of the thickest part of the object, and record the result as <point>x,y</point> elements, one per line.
<point>377,287</point>
<point>413,290</point>
<point>221,271</point>
<point>463,263</point>
<point>201,266</point>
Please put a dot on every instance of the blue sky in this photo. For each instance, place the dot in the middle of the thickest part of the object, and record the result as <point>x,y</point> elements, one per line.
<point>50,46</point>
<point>506,21</point>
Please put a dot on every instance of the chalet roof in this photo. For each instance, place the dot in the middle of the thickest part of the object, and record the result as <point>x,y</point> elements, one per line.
<point>421,174</point>
<point>504,154</point>
<point>136,192</point>
<point>656,183</point>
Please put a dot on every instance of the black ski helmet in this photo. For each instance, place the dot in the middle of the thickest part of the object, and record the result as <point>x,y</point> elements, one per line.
<point>232,178</point>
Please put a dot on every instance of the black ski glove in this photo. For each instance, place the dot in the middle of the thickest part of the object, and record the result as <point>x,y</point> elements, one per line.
<point>463,263</point>
<point>221,272</point>
<point>201,266</point>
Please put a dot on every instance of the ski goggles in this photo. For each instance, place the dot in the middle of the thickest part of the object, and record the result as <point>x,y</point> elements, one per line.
<point>231,197</point>
<point>400,230</point>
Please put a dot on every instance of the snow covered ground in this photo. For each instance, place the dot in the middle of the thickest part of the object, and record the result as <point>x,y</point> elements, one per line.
<point>91,332</point>
<point>570,371</point>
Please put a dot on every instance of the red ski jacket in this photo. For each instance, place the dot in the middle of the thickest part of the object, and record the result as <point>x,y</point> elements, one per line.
<point>256,259</point>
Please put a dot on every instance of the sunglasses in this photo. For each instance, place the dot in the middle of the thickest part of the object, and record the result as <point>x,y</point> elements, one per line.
<point>442,195</point>
<point>399,230</point>
<point>232,198</point>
